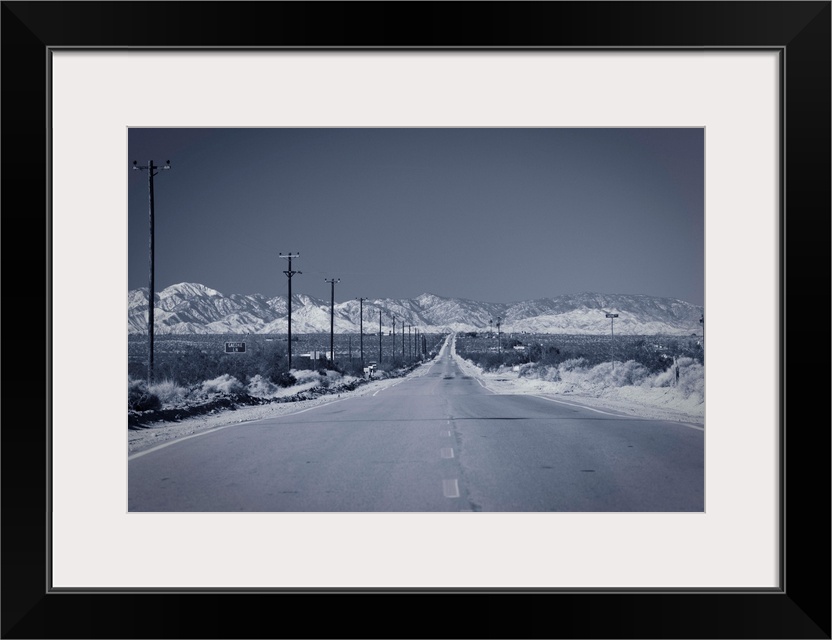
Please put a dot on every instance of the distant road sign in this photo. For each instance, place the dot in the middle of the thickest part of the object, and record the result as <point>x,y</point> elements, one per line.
<point>612,315</point>
<point>235,347</point>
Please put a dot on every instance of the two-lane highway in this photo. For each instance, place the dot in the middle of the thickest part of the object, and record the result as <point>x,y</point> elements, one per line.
<point>437,441</point>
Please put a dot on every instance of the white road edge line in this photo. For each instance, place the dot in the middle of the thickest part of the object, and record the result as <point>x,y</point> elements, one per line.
<point>237,424</point>
<point>484,387</point>
<point>580,406</point>
<point>618,415</point>
<point>139,454</point>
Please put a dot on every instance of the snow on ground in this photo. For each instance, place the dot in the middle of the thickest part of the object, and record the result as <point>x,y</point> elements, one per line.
<point>588,387</point>
<point>162,432</point>
<point>592,388</point>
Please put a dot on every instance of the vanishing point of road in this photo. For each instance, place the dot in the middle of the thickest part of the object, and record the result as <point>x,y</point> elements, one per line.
<point>436,441</point>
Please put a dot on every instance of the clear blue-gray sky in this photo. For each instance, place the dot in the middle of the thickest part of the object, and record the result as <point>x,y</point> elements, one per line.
<point>488,214</point>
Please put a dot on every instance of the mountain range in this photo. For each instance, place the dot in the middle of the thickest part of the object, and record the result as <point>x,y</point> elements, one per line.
<point>191,308</point>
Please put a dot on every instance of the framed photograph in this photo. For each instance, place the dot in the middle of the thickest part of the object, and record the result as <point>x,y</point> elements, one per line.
<point>752,79</point>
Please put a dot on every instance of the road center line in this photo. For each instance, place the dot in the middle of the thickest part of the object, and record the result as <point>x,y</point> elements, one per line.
<point>450,488</point>
<point>447,452</point>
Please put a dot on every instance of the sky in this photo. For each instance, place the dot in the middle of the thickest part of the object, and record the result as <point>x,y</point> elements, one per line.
<point>486,214</point>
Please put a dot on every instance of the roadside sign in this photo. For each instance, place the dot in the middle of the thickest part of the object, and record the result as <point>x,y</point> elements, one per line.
<point>612,315</point>
<point>235,347</point>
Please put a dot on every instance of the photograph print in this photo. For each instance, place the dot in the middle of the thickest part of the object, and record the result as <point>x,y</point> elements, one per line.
<point>416,320</point>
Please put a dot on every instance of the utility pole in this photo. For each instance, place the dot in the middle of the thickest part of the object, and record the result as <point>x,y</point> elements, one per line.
<point>361,328</point>
<point>402,342</point>
<point>393,347</point>
<point>152,170</point>
<point>409,343</point>
<point>490,327</point>
<point>332,281</point>
<point>379,337</point>
<point>499,338</point>
<point>612,317</point>
<point>289,273</point>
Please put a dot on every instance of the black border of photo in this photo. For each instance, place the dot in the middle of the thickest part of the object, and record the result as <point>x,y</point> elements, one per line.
<point>799,608</point>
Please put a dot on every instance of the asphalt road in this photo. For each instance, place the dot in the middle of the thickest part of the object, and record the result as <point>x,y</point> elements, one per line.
<point>437,441</point>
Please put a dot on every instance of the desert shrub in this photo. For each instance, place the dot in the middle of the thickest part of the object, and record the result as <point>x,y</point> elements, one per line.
<point>167,391</point>
<point>285,379</point>
<point>491,361</point>
<point>199,358</point>
<point>624,374</point>
<point>537,371</point>
<point>545,355</point>
<point>223,384</point>
<point>572,364</point>
<point>691,377</point>
<point>261,387</point>
<point>139,398</point>
<point>665,377</point>
<point>627,373</point>
<point>191,359</point>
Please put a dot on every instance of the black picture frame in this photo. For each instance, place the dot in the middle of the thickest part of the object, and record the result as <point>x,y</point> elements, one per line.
<point>799,608</point>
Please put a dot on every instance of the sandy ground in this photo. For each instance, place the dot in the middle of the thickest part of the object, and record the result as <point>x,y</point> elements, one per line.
<point>660,404</point>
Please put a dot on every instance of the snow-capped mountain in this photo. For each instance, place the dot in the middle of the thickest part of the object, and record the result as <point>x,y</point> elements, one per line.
<point>190,308</point>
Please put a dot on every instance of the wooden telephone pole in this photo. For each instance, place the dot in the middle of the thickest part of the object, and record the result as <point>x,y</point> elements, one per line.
<point>332,281</point>
<point>289,273</point>
<point>152,171</point>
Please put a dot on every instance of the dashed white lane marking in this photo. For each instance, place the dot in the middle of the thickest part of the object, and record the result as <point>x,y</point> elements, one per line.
<point>450,488</point>
<point>445,434</point>
<point>617,415</point>
<point>447,452</point>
